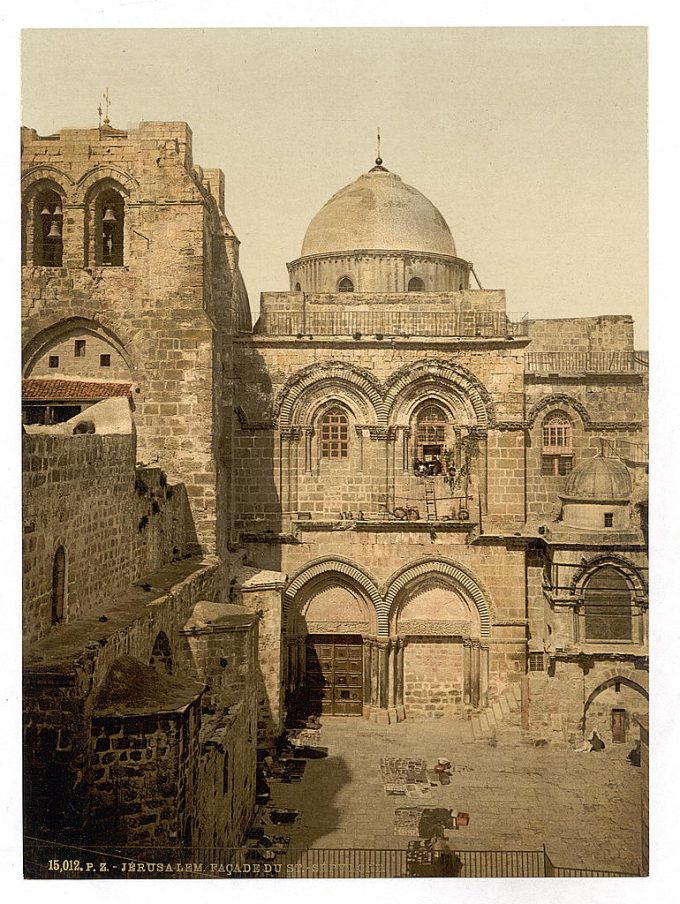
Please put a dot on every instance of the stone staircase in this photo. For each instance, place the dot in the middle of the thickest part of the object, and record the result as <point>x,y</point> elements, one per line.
<point>504,712</point>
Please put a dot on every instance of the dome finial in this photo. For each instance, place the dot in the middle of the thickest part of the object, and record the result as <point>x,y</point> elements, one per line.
<point>378,160</point>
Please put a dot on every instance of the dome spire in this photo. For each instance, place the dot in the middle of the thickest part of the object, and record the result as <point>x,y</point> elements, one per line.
<point>378,160</point>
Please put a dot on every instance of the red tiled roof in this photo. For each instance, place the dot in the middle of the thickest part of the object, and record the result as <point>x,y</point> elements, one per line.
<point>48,390</point>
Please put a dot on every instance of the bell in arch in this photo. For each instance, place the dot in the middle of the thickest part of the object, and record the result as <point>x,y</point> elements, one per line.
<point>109,216</point>
<point>45,212</point>
<point>55,231</point>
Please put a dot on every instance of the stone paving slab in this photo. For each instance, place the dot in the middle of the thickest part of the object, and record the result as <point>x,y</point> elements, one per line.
<point>584,807</point>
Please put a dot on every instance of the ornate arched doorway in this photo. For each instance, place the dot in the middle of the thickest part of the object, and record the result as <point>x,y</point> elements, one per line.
<point>328,621</point>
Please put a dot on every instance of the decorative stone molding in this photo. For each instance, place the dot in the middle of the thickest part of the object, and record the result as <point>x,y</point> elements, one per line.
<point>455,375</point>
<point>581,576</point>
<point>426,628</point>
<point>382,399</point>
<point>46,173</point>
<point>92,177</point>
<point>332,372</point>
<point>441,566</point>
<point>344,567</point>
<point>557,401</point>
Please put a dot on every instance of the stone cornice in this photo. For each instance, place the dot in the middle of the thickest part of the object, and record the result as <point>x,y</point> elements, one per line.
<point>375,253</point>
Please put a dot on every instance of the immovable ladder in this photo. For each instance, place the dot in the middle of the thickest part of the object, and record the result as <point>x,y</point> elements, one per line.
<point>430,502</point>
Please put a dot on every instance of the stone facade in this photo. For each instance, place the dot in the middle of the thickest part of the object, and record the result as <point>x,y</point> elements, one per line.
<point>364,505</point>
<point>360,533</point>
<point>140,718</point>
<point>165,310</point>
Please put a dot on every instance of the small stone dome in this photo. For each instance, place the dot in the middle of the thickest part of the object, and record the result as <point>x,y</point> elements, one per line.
<point>378,212</point>
<point>601,479</point>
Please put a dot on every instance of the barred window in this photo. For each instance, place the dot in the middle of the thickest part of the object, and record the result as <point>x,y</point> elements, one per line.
<point>557,451</point>
<point>431,426</point>
<point>415,284</point>
<point>607,604</point>
<point>557,434</point>
<point>334,434</point>
<point>345,285</point>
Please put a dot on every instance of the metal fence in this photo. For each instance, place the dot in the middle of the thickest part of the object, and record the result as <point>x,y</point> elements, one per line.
<point>587,362</point>
<point>385,324</point>
<point>43,860</point>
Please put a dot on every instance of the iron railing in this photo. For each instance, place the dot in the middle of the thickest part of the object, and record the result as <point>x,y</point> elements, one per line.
<point>43,860</point>
<point>387,323</point>
<point>587,362</point>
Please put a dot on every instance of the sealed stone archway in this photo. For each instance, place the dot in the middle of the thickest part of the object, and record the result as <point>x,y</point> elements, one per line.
<point>443,662</point>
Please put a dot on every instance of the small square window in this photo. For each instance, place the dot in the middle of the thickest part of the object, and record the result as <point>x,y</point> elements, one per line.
<point>536,662</point>
<point>53,361</point>
<point>79,348</point>
<point>609,519</point>
<point>105,360</point>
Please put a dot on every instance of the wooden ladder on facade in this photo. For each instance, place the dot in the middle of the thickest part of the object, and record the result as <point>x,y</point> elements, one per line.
<point>430,502</point>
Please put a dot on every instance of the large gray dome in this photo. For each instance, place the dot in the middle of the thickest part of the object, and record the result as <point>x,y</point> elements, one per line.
<point>378,212</point>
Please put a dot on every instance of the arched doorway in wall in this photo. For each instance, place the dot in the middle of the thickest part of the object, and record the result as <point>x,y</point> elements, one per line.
<point>611,708</point>
<point>327,627</point>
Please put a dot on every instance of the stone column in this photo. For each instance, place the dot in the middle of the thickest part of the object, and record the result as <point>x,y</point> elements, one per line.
<point>383,659</point>
<point>301,661</point>
<point>399,680</point>
<point>482,471</point>
<point>368,671</point>
<point>474,685</point>
<point>308,433</point>
<point>484,676</point>
<point>467,671</point>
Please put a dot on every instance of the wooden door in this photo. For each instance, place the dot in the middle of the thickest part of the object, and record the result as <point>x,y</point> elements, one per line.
<point>334,674</point>
<point>619,725</point>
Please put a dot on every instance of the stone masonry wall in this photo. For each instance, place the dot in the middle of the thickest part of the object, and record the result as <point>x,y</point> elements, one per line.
<point>275,473</point>
<point>179,284</point>
<point>433,673</point>
<point>62,673</point>
<point>114,523</point>
<point>137,762</point>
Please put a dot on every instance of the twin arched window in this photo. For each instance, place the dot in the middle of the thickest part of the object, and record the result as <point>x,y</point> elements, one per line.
<point>334,434</point>
<point>557,453</point>
<point>104,228</point>
<point>607,603</point>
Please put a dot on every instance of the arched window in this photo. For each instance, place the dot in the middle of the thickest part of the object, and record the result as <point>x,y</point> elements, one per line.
<point>161,655</point>
<point>557,454</point>
<point>345,285</point>
<point>415,284</point>
<point>58,585</point>
<point>430,433</point>
<point>48,220</point>
<point>298,287</point>
<point>109,221</point>
<point>334,434</point>
<point>607,605</point>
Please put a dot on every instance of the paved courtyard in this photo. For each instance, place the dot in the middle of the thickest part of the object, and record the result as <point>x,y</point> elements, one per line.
<point>585,807</point>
